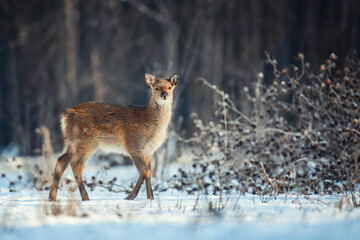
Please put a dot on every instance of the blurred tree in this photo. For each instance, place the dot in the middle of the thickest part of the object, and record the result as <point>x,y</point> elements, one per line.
<point>54,54</point>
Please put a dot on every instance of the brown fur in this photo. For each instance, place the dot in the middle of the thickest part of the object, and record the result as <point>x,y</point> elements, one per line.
<point>131,130</point>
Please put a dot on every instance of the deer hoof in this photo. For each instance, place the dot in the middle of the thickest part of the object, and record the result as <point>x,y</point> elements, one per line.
<point>129,197</point>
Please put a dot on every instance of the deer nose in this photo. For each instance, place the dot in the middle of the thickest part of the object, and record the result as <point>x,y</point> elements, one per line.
<point>164,94</point>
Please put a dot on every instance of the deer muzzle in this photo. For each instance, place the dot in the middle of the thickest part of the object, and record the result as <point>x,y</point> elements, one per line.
<point>164,95</point>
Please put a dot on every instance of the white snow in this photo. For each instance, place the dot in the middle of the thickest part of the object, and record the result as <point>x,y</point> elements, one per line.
<point>27,214</point>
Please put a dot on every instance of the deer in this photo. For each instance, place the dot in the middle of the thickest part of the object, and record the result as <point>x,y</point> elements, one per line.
<point>134,131</point>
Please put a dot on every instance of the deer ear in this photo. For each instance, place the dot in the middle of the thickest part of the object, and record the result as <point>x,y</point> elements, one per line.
<point>174,79</point>
<point>149,79</point>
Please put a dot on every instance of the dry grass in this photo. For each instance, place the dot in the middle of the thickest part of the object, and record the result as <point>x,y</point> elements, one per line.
<point>300,135</point>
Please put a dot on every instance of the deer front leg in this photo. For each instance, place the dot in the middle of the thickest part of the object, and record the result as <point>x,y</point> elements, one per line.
<point>142,167</point>
<point>136,189</point>
<point>149,191</point>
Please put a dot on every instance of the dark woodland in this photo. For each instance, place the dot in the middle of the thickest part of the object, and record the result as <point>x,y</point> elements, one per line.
<point>56,54</point>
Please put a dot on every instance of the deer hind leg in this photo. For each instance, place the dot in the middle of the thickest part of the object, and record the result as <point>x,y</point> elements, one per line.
<point>147,174</point>
<point>142,168</point>
<point>77,167</point>
<point>61,164</point>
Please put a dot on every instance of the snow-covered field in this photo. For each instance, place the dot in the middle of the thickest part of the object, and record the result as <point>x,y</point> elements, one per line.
<point>26,214</point>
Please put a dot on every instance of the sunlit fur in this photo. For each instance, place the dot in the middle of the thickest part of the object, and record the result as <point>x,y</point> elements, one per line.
<point>131,130</point>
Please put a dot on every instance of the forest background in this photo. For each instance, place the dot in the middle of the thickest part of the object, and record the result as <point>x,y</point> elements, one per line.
<point>56,54</point>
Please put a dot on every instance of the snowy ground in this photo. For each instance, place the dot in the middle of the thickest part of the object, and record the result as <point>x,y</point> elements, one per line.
<point>26,214</point>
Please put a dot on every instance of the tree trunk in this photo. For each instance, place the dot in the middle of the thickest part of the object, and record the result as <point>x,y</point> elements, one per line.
<point>96,74</point>
<point>70,51</point>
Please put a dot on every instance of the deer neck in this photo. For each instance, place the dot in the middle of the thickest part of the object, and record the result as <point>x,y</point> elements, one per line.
<point>160,114</point>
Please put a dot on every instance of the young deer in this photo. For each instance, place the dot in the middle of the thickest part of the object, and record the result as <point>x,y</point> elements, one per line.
<point>131,130</point>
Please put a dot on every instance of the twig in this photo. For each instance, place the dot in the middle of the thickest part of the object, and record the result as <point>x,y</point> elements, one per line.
<point>197,200</point>
<point>268,179</point>
<point>354,131</point>
<point>231,106</point>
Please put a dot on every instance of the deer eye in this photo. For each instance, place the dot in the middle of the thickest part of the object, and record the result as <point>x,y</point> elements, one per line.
<point>169,87</point>
<point>156,89</point>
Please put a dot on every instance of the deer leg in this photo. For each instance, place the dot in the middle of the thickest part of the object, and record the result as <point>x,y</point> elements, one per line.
<point>149,191</point>
<point>61,164</point>
<point>141,167</point>
<point>77,168</point>
<point>136,189</point>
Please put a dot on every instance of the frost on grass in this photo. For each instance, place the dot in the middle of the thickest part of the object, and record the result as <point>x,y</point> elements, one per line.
<point>27,212</point>
<point>299,134</point>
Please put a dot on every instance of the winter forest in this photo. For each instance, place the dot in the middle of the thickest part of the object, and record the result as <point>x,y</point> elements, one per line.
<point>264,136</point>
